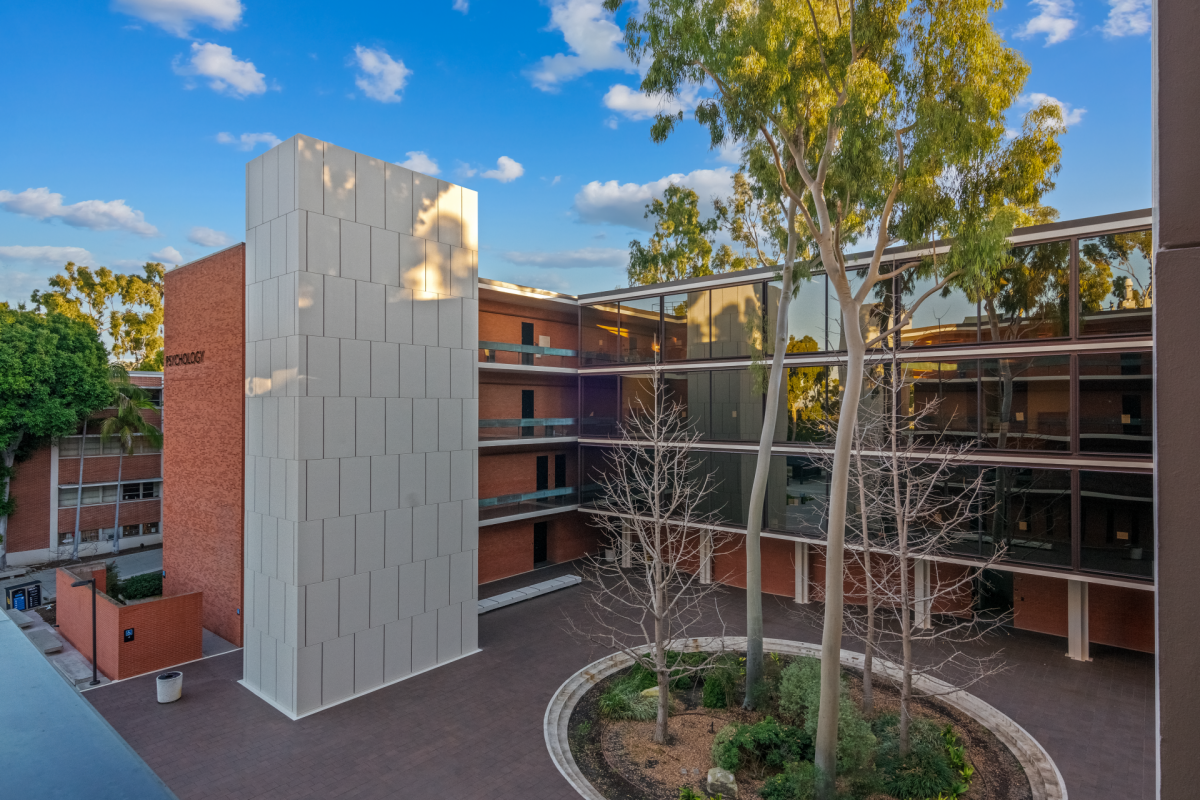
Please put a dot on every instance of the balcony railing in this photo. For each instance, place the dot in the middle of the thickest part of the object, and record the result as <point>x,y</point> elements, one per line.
<point>508,505</point>
<point>541,428</point>
<point>530,355</point>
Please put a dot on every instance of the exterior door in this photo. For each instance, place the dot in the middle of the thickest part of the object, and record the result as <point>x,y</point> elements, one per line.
<point>541,552</point>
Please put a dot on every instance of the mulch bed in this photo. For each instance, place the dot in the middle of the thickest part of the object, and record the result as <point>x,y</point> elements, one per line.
<point>620,759</point>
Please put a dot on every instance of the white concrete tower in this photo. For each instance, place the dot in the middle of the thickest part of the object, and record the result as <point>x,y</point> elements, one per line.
<point>361,531</point>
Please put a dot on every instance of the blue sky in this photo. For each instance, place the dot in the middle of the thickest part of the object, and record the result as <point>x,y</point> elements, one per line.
<point>128,123</point>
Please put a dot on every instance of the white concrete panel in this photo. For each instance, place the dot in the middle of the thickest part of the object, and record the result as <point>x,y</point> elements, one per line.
<point>248,472</point>
<point>322,490</point>
<point>285,675</point>
<point>385,369</point>
<point>368,190</point>
<point>437,268</point>
<point>470,219</point>
<point>449,633</point>
<point>287,427</point>
<point>470,626</point>
<point>397,649</point>
<point>270,426</point>
<point>470,424</point>
<point>369,310</point>
<point>320,612</point>
<point>475,274</point>
<point>424,640</point>
<point>450,214</point>
<point>287,176</point>
<point>254,424</point>
<point>339,427</point>
<point>296,477</point>
<point>278,615</point>
<point>278,488</point>
<point>425,532</point>
<point>412,370</point>
<point>470,524</point>
<point>253,544</point>
<point>287,304</point>
<point>368,659</point>
<point>308,678</point>
<point>252,657</point>
<point>278,246</point>
<point>339,307</point>
<point>385,257</point>
<point>437,372</point>
<point>249,255</point>
<point>449,424</point>
<point>412,262</point>
<point>425,425</point>
<point>354,603</point>
<point>385,482</point>
<point>398,198</point>
<point>398,536</point>
<point>462,373</point>
<point>339,182</point>
<point>460,272</point>
<point>412,480</point>
<point>437,477</point>
<point>425,318</point>
<point>368,542</point>
<point>324,366</point>
<point>285,552</point>
<point>309,160</point>
<point>254,327</point>
<point>262,367</point>
<point>356,368</point>
<point>324,244</point>
<point>337,670</point>
<point>397,314</point>
<point>470,335</point>
<point>310,552</point>
<point>297,366</point>
<point>410,587</point>
<point>262,485</point>
<point>425,221</point>
<point>262,252</point>
<point>449,528</point>
<point>310,304</point>
<point>293,613</point>
<point>398,423</point>
<point>356,251</point>
<point>270,184</point>
<point>450,322</point>
<point>368,426</point>
<point>338,540</point>
<point>355,486</point>
<point>310,427</point>
<point>384,596</point>
<point>297,241</point>
<point>461,487</point>
<point>254,171</point>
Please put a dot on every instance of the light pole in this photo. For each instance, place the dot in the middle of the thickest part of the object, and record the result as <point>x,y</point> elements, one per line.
<point>92,581</point>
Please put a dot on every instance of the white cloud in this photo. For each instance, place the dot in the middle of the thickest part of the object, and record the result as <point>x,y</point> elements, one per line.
<point>625,203</point>
<point>611,122</point>
<point>178,16</point>
<point>248,141</point>
<point>584,258</point>
<point>1055,18</point>
<point>382,76</point>
<point>227,74</point>
<point>96,215</point>
<point>730,152</point>
<point>461,5</point>
<point>418,161</point>
<point>635,104</point>
<point>1071,116</point>
<point>557,180</point>
<point>46,254</point>
<point>1128,18</point>
<point>168,255</point>
<point>506,170</point>
<point>593,38</point>
<point>207,237</point>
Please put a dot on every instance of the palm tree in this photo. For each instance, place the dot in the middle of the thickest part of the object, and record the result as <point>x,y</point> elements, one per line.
<point>123,426</point>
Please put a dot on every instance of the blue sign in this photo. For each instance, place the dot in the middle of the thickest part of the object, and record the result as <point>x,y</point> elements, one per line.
<point>129,634</point>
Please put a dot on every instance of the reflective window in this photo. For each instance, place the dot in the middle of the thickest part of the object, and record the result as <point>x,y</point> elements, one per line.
<point>637,396</point>
<point>687,325</point>
<point>1030,299</point>
<point>1027,402</point>
<point>806,315</point>
<point>595,465</point>
<point>875,315</point>
<point>639,330</point>
<point>737,321</point>
<point>948,390</point>
<point>733,477</point>
<point>962,499</point>
<point>806,408</point>
<point>737,406</point>
<point>599,397</point>
<point>600,338</point>
<point>692,390</point>
<point>1116,284</point>
<point>1031,514</point>
<point>1116,402</point>
<point>945,317</point>
<point>1117,522</point>
<point>797,496</point>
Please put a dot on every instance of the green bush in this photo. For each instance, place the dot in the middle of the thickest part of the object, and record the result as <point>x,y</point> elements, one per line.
<point>112,580</point>
<point>757,747</point>
<point>797,782</point>
<point>624,700</point>
<point>721,681</point>
<point>800,701</point>
<point>139,586</point>
<point>927,771</point>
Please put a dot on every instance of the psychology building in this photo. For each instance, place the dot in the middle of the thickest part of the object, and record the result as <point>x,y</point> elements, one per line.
<point>373,430</point>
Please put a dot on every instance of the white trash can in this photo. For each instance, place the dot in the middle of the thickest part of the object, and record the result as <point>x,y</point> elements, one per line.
<point>170,687</point>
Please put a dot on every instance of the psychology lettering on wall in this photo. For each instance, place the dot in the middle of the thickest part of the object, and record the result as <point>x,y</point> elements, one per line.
<point>182,359</point>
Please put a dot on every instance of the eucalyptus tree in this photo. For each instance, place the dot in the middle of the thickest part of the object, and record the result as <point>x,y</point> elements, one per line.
<point>883,121</point>
<point>128,428</point>
<point>682,245</point>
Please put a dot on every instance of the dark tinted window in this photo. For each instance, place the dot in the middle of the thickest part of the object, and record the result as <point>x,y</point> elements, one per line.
<point>1117,522</point>
<point>1116,403</point>
<point>1116,284</point>
<point>1030,299</point>
<point>1027,403</point>
<point>600,337</point>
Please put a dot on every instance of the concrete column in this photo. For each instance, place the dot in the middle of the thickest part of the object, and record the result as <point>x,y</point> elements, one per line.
<point>1077,621</point>
<point>922,596</point>
<point>626,546</point>
<point>802,572</point>
<point>706,557</point>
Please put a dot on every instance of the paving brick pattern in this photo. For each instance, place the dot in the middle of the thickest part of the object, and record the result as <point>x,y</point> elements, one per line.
<point>473,728</point>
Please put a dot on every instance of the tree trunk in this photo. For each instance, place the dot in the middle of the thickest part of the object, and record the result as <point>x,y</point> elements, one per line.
<point>902,536</point>
<point>868,698</point>
<point>117,530</point>
<point>664,694</point>
<point>758,491</point>
<point>10,458</point>
<point>79,493</point>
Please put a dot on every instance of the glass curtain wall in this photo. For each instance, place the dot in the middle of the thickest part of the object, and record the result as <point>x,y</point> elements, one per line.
<point>1117,522</point>
<point>1031,297</point>
<point>1116,402</point>
<point>1027,403</point>
<point>1116,284</point>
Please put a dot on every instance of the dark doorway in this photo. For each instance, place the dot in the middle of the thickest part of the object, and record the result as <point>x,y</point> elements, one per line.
<point>527,411</point>
<point>560,470</point>
<point>541,551</point>
<point>527,338</point>
<point>543,473</point>
<point>994,593</point>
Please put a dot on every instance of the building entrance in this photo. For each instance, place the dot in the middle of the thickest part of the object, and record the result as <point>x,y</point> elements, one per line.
<point>541,551</point>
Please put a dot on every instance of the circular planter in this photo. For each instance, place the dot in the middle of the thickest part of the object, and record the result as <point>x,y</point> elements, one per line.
<point>1044,779</point>
<point>169,686</point>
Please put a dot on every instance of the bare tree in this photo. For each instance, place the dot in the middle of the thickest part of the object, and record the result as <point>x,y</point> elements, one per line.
<point>658,588</point>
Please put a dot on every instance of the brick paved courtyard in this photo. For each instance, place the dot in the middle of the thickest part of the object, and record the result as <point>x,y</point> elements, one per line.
<point>473,729</point>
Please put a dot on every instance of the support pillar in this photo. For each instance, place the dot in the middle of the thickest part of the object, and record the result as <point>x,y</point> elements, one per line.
<point>802,572</point>
<point>626,546</point>
<point>706,557</point>
<point>922,596</point>
<point>1077,621</point>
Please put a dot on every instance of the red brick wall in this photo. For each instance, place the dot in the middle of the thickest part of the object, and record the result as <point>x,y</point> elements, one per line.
<point>167,630</point>
<point>92,517</point>
<point>1121,617</point>
<point>503,400</point>
<point>103,469</point>
<point>505,549</point>
<point>29,527</point>
<point>778,565</point>
<point>570,537</point>
<point>509,473</point>
<point>203,472</point>
<point>501,322</point>
<point>1040,604</point>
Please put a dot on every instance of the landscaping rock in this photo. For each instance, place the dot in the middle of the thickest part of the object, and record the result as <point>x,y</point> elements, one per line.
<point>721,782</point>
<point>651,692</point>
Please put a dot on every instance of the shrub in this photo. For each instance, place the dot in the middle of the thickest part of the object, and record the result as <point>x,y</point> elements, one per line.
<point>721,681</point>
<point>797,782</point>
<point>624,700</point>
<point>139,586</point>
<point>927,770</point>
<point>112,580</point>
<point>757,747</point>
<point>800,700</point>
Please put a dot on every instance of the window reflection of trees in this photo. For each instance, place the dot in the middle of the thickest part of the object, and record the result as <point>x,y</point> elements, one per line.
<point>1116,283</point>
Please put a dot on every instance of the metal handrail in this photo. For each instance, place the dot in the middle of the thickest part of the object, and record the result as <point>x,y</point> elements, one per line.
<point>506,499</point>
<point>527,348</point>
<point>525,423</point>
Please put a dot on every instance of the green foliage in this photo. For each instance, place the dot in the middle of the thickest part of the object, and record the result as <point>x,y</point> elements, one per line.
<point>800,701</point>
<point>624,700</point>
<point>112,580</point>
<point>688,793</point>
<point>927,771</point>
<point>682,243</point>
<point>764,745</point>
<point>797,782</point>
<point>140,586</point>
